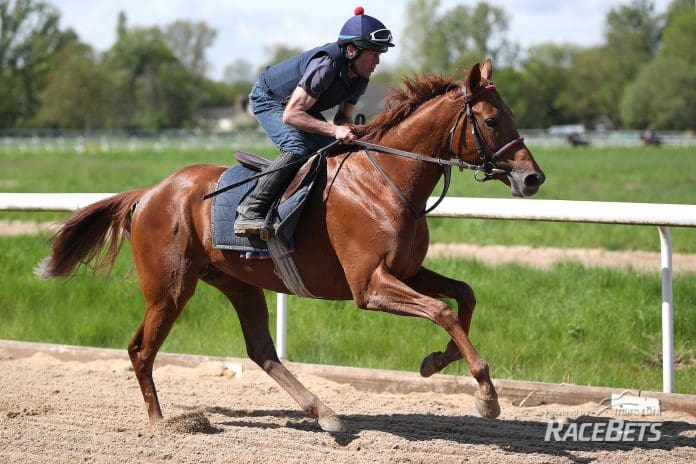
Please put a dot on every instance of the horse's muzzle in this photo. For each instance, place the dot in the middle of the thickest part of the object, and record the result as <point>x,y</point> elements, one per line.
<point>525,183</point>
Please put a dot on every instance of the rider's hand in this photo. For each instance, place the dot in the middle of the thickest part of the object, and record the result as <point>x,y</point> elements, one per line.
<point>345,134</point>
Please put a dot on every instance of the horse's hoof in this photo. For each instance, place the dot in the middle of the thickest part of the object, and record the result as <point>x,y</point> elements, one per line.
<point>331,424</point>
<point>427,367</point>
<point>488,409</point>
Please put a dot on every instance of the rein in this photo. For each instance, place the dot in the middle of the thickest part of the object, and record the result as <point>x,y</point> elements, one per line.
<point>488,160</point>
<point>446,172</point>
<point>487,166</point>
<point>462,165</point>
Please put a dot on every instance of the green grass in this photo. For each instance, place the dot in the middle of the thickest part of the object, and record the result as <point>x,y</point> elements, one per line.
<point>570,324</point>
<point>114,171</point>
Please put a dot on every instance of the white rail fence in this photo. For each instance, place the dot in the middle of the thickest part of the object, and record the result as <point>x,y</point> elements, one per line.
<point>661,215</point>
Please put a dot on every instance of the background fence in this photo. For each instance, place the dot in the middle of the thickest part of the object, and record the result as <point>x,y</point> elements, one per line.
<point>48,140</point>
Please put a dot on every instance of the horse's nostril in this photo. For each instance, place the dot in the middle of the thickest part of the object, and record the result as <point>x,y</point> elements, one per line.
<point>534,180</point>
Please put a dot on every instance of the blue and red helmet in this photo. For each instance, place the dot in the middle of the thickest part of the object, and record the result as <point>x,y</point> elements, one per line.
<point>366,32</point>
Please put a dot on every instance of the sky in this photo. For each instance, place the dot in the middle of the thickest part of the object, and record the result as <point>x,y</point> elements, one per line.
<point>248,30</point>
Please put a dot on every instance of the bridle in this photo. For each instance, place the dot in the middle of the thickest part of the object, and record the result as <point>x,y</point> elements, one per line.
<point>488,160</point>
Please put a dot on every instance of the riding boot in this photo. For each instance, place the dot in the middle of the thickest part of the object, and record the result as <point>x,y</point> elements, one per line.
<point>252,212</point>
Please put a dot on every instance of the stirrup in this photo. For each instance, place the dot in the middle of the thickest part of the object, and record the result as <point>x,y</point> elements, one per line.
<point>264,233</point>
<point>250,228</point>
<point>245,226</point>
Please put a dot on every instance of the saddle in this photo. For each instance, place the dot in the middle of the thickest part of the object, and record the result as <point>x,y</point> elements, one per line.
<point>287,212</point>
<point>251,161</point>
<point>258,163</point>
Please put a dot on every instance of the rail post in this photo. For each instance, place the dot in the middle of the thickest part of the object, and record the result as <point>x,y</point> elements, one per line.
<point>667,311</point>
<point>281,325</point>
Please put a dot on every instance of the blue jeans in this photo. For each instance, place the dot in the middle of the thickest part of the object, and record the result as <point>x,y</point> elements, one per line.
<point>269,113</point>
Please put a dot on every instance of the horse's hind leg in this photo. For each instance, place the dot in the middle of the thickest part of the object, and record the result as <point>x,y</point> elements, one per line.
<point>167,285</point>
<point>435,285</point>
<point>143,348</point>
<point>250,304</point>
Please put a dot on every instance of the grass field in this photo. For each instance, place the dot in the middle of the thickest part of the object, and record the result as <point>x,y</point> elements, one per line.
<point>569,324</point>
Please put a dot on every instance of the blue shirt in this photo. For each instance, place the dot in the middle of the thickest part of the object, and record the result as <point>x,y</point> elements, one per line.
<point>323,72</point>
<point>319,76</point>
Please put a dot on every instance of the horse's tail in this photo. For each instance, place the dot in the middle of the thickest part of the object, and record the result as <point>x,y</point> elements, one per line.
<point>81,237</point>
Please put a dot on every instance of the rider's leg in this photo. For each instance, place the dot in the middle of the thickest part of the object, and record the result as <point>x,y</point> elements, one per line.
<point>251,213</point>
<point>294,145</point>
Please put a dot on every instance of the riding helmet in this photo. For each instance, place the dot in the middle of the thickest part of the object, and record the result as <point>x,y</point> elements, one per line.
<point>365,32</point>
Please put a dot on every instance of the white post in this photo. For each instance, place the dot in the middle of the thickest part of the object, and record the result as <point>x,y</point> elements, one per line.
<point>281,325</point>
<point>667,316</point>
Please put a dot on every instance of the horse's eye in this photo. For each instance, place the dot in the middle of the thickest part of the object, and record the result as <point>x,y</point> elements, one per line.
<point>491,123</point>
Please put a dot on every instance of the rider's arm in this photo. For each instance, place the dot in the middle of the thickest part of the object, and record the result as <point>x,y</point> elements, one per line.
<point>344,115</point>
<point>296,115</point>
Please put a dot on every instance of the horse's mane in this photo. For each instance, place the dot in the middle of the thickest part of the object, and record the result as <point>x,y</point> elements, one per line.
<point>399,104</point>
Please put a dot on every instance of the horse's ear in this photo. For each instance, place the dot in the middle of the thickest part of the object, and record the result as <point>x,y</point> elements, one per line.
<point>473,77</point>
<point>487,70</point>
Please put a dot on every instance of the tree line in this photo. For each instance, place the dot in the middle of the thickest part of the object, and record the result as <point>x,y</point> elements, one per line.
<point>642,76</point>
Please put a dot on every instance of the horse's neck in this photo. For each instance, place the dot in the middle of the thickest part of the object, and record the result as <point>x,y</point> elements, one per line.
<point>425,132</point>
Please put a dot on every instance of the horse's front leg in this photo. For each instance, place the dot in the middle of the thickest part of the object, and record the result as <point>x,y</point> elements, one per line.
<point>385,292</point>
<point>435,285</point>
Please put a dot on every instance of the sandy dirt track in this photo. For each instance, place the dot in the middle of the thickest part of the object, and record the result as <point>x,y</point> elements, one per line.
<point>54,411</point>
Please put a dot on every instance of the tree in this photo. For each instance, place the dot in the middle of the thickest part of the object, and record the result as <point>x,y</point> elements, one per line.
<point>280,53</point>
<point>77,92</point>
<point>679,38</point>
<point>189,42</point>
<point>487,26</point>
<point>422,44</point>
<point>240,70</point>
<point>671,103</point>
<point>670,80</point>
<point>511,86</point>
<point>633,32</point>
<point>452,41</point>
<point>598,76</point>
<point>221,93</point>
<point>29,36</point>
<point>589,87</point>
<point>546,70</point>
<point>677,7</point>
<point>152,87</point>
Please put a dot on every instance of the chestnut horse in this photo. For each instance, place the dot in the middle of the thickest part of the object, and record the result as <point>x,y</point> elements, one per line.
<point>363,234</point>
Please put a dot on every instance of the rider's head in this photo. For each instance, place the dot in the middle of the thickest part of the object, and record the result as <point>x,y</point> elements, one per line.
<point>365,32</point>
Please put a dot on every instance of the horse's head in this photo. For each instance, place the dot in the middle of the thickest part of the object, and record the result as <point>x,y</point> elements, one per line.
<point>490,138</point>
<point>465,120</point>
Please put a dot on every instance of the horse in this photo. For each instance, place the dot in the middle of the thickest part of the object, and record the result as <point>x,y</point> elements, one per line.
<point>575,141</point>
<point>651,138</point>
<point>363,234</point>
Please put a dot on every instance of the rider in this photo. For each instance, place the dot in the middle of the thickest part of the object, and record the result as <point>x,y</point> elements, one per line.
<point>288,99</point>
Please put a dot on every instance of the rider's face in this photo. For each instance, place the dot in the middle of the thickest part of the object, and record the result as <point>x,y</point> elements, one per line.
<point>366,62</point>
